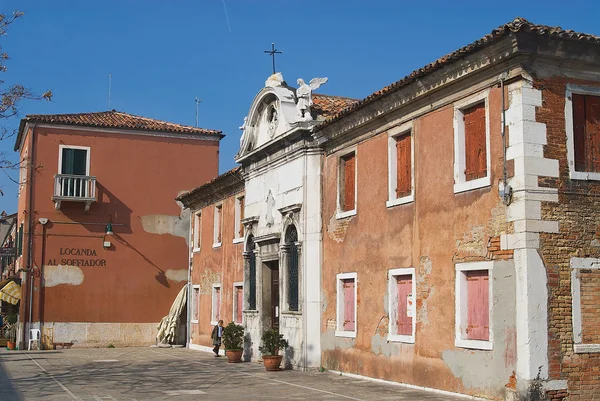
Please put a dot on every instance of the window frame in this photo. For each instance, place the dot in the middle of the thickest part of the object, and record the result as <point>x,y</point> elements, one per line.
<point>461,306</point>
<point>235,305</point>
<point>393,134</point>
<point>195,287</point>
<point>88,150</point>
<point>217,225</point>
<point>341,214</point>
<point>579,347</point>
<point>584,90</point>
<point>238,236</point>
<point>214,320</point>
<point>197,235</point>
<point>393,336</point>
<point>340,305</point>
<point>460,182</point>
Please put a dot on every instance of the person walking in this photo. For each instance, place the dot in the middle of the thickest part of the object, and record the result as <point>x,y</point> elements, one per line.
<point>216,335</point>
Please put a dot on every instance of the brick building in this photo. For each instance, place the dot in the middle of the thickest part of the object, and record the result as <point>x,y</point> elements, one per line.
<point>451,221</point>
<point>103,252</point>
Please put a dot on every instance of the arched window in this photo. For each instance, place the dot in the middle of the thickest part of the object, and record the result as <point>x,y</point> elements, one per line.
<point>251,272</point>
<point>291,238</point>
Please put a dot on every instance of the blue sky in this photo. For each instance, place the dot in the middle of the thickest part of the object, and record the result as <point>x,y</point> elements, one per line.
<point>162,54</point>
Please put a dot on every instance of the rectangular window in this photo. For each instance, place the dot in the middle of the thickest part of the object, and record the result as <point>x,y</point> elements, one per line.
<point>403,166</point>
<point>402,305</point>
<point>197,231</point>
<point>472,143</point>
<point>347,185</point>
<point>346,305</point>
<point>239,216</point>
<point>73,167</point>
<point>218,225</point>
<point>238,302</point>
<point>473,294</point>
<point>586,132</point>
<point>20,241</point>
<point>585,298</point>
<point>400,165</point>
<point>195,303</point>
<point>74,161</point>
<point>216,304</point>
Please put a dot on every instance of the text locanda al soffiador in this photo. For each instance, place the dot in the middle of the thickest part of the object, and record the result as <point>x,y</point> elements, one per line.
<point>90,259</point>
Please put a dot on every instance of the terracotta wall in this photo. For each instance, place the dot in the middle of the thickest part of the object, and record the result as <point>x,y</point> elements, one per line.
<point>211,265</point>
<point>138,177</point>
<point>431,234</point>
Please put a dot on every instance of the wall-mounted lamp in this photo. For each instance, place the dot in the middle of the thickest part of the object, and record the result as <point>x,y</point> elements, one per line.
<point>109,230</point>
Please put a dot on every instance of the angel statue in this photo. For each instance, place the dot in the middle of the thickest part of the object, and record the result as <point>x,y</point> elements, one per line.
<point>304,96</point>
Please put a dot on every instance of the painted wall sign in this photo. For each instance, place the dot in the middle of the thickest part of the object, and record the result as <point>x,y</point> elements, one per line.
<point>88,260</point>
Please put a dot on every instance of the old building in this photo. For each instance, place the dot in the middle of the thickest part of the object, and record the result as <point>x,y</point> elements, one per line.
<point>104,246</point>
<point>442,232</point>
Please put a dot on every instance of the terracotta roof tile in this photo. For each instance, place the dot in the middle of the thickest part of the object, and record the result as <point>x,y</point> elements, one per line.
<point>516,25</point>
<point>118,119</point>
<point>233,178</point>
<point>325,106</point>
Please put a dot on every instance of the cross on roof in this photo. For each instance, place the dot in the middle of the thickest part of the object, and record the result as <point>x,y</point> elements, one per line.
<point>272,53</point>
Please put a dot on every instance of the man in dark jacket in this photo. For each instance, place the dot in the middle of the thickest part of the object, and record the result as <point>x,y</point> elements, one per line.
<point>216,335</point>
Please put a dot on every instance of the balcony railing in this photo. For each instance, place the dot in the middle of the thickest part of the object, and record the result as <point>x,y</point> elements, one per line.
<point>74,188</point>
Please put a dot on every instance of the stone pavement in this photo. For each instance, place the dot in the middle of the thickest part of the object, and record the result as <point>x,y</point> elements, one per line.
<point>178,375</point>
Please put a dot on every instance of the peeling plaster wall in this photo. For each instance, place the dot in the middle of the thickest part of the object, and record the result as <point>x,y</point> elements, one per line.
<point>431,234</point>
<point>62,274</point>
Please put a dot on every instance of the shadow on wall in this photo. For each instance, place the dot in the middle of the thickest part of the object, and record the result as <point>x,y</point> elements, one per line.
<point>160,275</point>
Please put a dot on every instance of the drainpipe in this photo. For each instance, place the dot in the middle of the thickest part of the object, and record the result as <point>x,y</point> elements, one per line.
<point>30,223</point>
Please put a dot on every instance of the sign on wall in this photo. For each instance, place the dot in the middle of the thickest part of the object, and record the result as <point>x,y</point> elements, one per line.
<point>82,257</point>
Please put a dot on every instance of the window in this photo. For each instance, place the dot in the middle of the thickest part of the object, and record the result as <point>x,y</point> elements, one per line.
<point>238,302</point>
<point>585,287</point>
<point>218,225</point>
<point>20,241</point>
<point>402,290</point>
<point>346,305</point>
<point>347,186</point>
<point>400,166</point>
<point>197,231</point>
<point>74,160</point>
<point>582,115</point>
<point>216,304</point>
<point>250,254</point>
<point>472,144</point>
<point>195,303</point>
<point>239,216</point>
<point>291,238</point>
<point>473,305</point>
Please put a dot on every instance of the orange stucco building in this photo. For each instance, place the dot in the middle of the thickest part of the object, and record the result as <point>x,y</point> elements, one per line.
<point>104,242</point>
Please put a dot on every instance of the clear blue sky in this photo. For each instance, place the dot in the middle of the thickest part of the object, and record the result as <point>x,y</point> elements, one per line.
<point>162,54</point>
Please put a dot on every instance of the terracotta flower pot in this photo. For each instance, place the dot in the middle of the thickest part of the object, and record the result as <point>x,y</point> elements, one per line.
<point>272,362</point>
<point>234,355</point>
<point>11,344</point>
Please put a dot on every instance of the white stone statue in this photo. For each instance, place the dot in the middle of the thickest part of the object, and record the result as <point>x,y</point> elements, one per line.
<point>304,96</point>
<point>274,80</point>
<point>243,129</point>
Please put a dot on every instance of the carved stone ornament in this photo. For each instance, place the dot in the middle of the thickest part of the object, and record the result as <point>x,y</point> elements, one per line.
<point>269,218</point>
<point>272,118</point>
<point>304,97</point>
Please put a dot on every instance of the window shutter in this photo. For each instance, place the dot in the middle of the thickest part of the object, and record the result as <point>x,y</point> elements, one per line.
<point>403,166</point>
<point>478,317</point>
<point>241,228</point>
<point>195,304</point>
<point>348,291</point>
<point>20,241</point>
<point>217,304</point>
<point>404,321</point>
<point>219,224</point>
<point>475,142</point>
<point>592,130</point>
<point>349,184</point>
<point>240,303</point>
<point>579,137</point>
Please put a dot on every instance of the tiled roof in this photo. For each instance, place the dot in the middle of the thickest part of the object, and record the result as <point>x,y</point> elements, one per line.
<point>516,25</point>
<point>213,188</point>
<point>115,119</point>
<point>325,106</point>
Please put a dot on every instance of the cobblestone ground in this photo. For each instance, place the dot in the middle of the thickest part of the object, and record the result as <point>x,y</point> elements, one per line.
<point>175,374</point>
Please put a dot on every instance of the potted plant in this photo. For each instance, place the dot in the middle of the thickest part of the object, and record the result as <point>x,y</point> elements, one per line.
<point>233,339</point>
<point>11,332</point>
<point>271,342</point>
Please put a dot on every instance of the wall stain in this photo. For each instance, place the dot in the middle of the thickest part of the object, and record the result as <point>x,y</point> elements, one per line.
<point>62,274</point>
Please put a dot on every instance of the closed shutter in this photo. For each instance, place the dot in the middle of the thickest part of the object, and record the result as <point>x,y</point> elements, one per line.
<point>404,320</point>
<point>20,241</point>
<point>592,128</point>
<point>241,228</point>
<point>349,304</point>
<point>239,293</point>
<point>348,196</point>
<point>219,224</point>
<point>579,137</point>
<point>475,143</point>
<point>217,304</point>
<point>403,166</point>
<point>195,300</point>
<point>478,312</point>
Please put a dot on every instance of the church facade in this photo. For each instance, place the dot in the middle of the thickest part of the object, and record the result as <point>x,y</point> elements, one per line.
<point>441,232</point>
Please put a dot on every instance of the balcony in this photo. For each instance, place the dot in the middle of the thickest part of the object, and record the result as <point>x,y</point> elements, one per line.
<point>74,188</point>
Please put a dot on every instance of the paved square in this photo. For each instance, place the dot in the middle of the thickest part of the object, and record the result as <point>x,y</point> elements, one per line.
<point>175,374</point>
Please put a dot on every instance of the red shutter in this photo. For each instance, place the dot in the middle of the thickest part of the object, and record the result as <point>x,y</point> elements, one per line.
<point>240,303</point>
<point>403,166</point>
<point>478,312</point>
<point>475,143</point>
<point>579,136</point>
<point>349,184</point>
<point>404,321</point>
<point>348,291</point>
<point>242,200</point>
<point>217,304</point>
<point>219,224</point>
<point>592,130</point>
<point>199,227</point>
<point>195,303</point>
